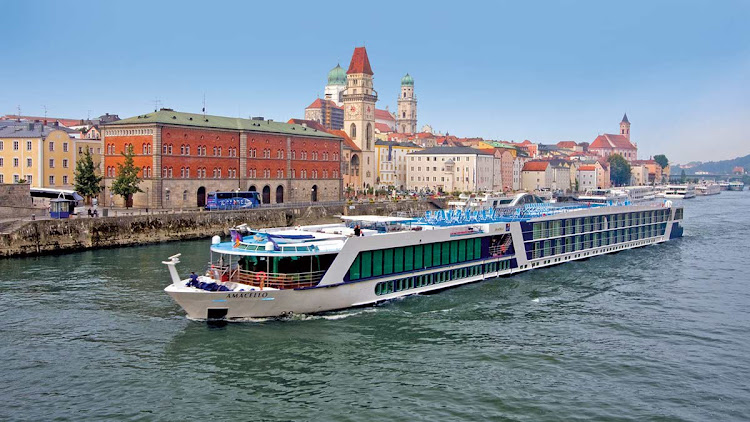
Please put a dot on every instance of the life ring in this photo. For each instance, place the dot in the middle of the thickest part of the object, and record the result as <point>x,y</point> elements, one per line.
<point>261,277</point>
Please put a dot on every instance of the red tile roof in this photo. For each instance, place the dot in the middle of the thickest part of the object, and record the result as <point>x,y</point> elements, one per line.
<point>587,168</point>
<point>383,115</point>
<point>535,166</point>
<point>319,103</point>
<point>383,128</point>
<point>50,120</point>
<point>360,62</point>
<point>348,143</point>
<point>612,141</point>
<point>566,144</point>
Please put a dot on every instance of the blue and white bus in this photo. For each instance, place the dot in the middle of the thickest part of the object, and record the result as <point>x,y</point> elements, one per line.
<point>232,200</point>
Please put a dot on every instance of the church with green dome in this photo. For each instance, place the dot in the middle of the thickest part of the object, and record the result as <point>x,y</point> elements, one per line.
<point>328,110</point>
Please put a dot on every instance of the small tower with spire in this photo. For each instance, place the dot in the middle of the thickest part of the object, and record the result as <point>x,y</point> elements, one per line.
<point>406,120</point>
<point>625,126</point>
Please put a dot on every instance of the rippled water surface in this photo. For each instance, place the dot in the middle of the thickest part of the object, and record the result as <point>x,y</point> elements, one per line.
<point>659,333</point>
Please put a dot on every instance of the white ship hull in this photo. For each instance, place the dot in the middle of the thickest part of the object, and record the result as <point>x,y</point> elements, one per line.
<point>607,230</point>
<point>279,303</point>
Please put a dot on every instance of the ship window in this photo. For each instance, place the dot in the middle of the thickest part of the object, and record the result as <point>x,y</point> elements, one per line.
<point>454,251</point>
<point>418,261</point>
<point>408,258</point>
<point>461,250</point>
<point>445,253</point>
<point>354,273</point>
<point>428,255</point>
<point>366,264</point>
<point>398,260</point>
<point>470,250</point>
<point>377,263</point>
<point>388,261</point>
<point>477,248</point>
<point>436,254</point>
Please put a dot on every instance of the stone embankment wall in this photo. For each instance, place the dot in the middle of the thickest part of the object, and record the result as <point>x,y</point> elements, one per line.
<point>15,201</point>
<point>52,236</point>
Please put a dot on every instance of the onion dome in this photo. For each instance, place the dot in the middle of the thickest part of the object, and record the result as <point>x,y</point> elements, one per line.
<point>407,80</point>
<point>337,76</point>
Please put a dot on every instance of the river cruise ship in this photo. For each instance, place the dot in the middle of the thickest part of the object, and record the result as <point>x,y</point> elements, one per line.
<point>312,269</point>
<point>708,189</point>
<point>679,192</point>
<point>738,186</point>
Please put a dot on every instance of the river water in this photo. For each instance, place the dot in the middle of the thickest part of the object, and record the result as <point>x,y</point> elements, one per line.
<point>659,333</point>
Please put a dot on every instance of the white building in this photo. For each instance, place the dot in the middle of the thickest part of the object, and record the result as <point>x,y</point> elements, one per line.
<point>450,169</point>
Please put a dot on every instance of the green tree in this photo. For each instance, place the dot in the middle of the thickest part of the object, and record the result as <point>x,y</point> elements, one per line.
<point>683,177</point>
<point>127,181</point>
<point>619,170</point>
<point>662,160</point>
<point>85,180</point>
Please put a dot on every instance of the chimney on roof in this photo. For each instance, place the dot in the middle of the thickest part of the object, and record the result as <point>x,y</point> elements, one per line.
<point>31,125</point>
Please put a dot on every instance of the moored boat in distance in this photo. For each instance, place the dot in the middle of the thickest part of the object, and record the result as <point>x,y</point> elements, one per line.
<point>708,189</point>
<point>724,185</point>
<point>679,192</point>
<point>736,186</point>
<point>311,269</point>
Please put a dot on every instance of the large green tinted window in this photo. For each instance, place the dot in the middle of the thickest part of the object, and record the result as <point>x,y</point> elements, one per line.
<point>446,255</point>
<point>398,260</point>
<point>388,261</point>
<point>418,259</point>
<point>470,249</point>
<point>454,251</point>
<point>354,273</point>
<point>408,258</point>
<point>477,248</point>
<point>428,256</point>
<point>461,250</point>
<point>377,263</point>
<point>366,264</point>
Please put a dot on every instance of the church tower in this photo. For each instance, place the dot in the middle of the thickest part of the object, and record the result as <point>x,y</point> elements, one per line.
<point>406,120</point>
<point>625,126</point>
<point>336,85</point>
<point>359,112</point>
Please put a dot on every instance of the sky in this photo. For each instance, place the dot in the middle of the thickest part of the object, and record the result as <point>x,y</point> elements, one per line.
<point>540,70</point>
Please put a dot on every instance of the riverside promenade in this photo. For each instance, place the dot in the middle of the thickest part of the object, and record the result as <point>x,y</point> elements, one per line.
<point>126,227</point>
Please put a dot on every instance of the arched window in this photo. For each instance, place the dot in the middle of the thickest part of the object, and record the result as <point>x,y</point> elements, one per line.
<point>353,131</point>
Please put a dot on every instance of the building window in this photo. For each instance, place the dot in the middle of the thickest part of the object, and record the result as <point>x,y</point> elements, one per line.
<point>65,163</point>
<point>15,145</point>
<point>51,146</point>
<point>65,180</point>
<point>65,147</point>
<point>28,145</point>
<point>28,162</point>
<point>51,163</point>
<point>52,180</point>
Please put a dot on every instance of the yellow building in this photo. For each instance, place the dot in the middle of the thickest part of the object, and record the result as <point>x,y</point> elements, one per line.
<point>391,162</point>
<point>43,156</point>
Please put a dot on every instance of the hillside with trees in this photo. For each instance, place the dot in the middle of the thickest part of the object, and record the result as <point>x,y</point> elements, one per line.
<point>718,167</point>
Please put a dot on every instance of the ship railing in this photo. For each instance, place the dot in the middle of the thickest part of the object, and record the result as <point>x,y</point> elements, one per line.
<point>263,279</point>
